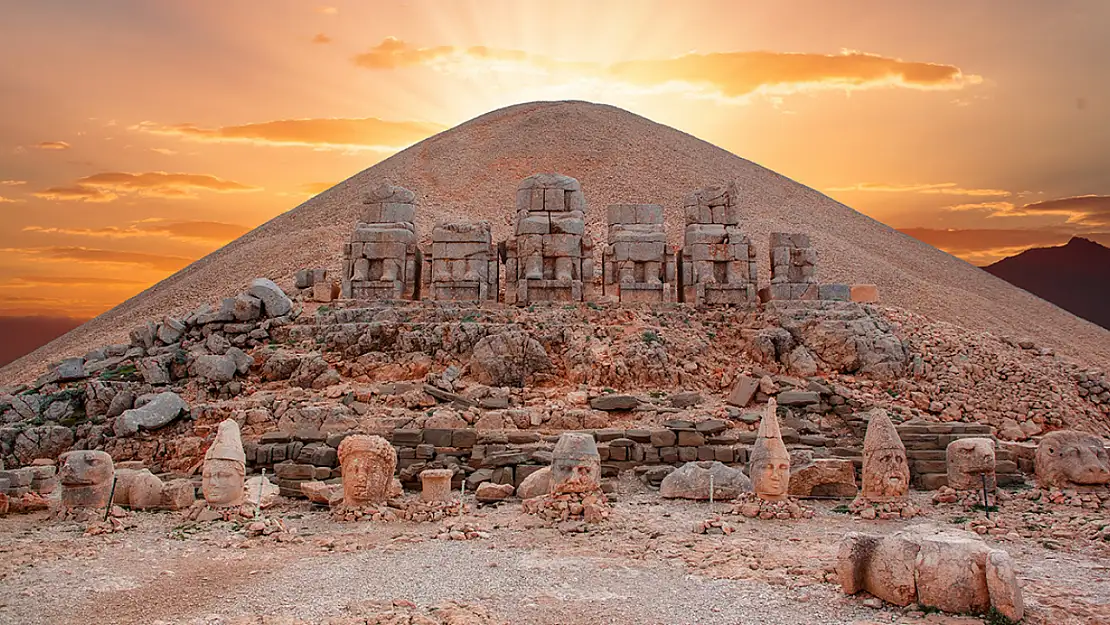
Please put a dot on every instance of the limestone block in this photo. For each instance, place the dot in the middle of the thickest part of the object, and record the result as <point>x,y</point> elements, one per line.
<point>950,573</point>
<point>436,484</point>
<point>158,412</point>
<point>275,302</point>
<point>864,293</point>
<point>824,477</point>
<point>692,481</point>
<point>1003,586</point>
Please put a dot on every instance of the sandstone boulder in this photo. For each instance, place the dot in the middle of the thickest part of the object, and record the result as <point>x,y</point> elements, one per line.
<point>508,359</point>
<point>158,412</point>
<point>489,492</point>
<point>614,401</point>
<point>43,441</point>
<point>824,477</point>
<point>691,481</point>
<point>1003,586</point>
<point>213,368</point>
<point>536,484</point>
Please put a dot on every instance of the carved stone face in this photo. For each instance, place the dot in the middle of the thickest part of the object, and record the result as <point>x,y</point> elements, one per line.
<point>368,464</point>
<point>222,482</point>
<point>771,478</point>
<point>886,474</point>
<point>86,478</point>
<point>575,464</point>
<point>968,460</point>
<point>1071,459</point>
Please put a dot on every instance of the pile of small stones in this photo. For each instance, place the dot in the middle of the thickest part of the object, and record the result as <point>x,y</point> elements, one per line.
<point>751,506</point>
<point>423,511</point>
<point>461,530</point>
<point>1090,501</point>
<point>883,510</point>
<point>555,508</point>
<point>713,526</point>
<point>202,513</point>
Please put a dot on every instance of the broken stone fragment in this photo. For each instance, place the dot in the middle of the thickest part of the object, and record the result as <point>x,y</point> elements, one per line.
<point>158,412</point>
<point>692,481</point>
<point>275,302</point>
<point>214,368</point>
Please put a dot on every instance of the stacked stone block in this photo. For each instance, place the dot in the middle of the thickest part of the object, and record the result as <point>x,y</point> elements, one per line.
<point>926,449</point>
<point>463,262</point>
<point>382,260</point>
<point>638,266</point>
<point>551,256</point>
<point>718,260</point>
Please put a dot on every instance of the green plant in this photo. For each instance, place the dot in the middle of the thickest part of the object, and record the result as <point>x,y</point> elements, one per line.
<point>469,318</point>
<point>958,520</point>
<point>608,390</point>
<point>122,373</point>
<point>650,336</point>
<point>994,617</point>
<point>841,509</point>
<point>981,508</point>
<point>594,306</point>
<point>569,307</point>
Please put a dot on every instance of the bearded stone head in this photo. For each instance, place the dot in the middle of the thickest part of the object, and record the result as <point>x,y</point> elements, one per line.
<point>886,470</point>
<point>1072,459</point>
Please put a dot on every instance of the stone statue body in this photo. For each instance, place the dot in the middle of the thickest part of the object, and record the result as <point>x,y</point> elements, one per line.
<point>769,466</point>
<point>225,467</point>
<point>968,460</point>
<point>86,478</point>
<point>368,464</point>
<point>886,471</point>
<point>1072,459</point>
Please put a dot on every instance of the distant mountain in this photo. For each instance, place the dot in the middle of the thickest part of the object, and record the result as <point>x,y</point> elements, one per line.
<point>22,335</point>
<point>1075,277</point>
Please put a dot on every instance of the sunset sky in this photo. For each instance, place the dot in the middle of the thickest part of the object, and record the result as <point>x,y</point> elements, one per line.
<point>137,136</point>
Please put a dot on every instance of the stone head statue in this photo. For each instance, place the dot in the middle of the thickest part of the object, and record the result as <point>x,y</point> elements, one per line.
<point>368,464</point>
<point>769,465</point>
<point>86,478</point>
<point>886,471</point>
<point>575,464</point>
<point>1071,459</point>
<point>225,467</point>
<point>968,460</point>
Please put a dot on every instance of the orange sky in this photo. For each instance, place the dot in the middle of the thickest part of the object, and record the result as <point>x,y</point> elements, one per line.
<point>138,136</point>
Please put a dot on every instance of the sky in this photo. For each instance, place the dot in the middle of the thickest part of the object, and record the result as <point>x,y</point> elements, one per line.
<point>138,136</point>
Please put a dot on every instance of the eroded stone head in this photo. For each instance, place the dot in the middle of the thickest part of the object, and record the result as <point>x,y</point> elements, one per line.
<point>769,465</point>
<point>1072,459</point>
<point>575,464</point>
<point>225,467</point>
<point>86,478</point>
<point>368,464</point>
<point>886,471</point>
<point>968,460</point>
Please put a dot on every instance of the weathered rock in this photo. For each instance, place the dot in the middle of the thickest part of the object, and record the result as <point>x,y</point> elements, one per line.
<point>950,573</point>
<point>213,368</point>
<point>322,493</point>
<point>488,492</point>
<point>368,464</point>
<point>613,401</point>
<point>275,302</point>
<point>1003,586</point>
<point>743,391</point>
<point>536,484</point>
<point>170,331</point>
<point>72,369</point>
<point>242,361</point>
<point>156,369</point>
<point>247,307</point>
<point>691,481</point>
<point>575,464</point>
<point>42,441</point>
<point>436,484</point>
<point>86,478</point>
<point>259,491</point>
<point>880,565</point>
<point>824,477</point>
<point>158,412</point>
<point>508,359</point>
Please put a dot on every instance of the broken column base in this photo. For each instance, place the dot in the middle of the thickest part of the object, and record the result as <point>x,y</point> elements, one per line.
<point>465,291</point>
<point>643,293</point>
<point>721,294</point>
<point>529,291</point>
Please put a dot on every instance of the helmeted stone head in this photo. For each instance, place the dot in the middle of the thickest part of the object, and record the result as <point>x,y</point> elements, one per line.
<point>886,471</point>
<point>575,464</point>
<point>769,464</point>
<point>86,478</point>
<point>368,464</point>
<point>225,467</point>
<point>968,460</point>
<point>1072,459</point>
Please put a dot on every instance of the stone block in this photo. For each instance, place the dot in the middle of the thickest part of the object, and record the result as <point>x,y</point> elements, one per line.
<point>867,293</point>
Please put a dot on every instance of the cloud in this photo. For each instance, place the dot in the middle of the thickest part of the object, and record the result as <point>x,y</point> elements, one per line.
<point>325,10</point>
<point>334,133</point>
<point>52,145</point>
<point>321,38</point>
<point>8,200</point>
<point>35,281</point>
<point>940,188</point>
<point>729,75</point>
<point>12,183</point>
<point>108,186</point>
<point>205,231</point>
<point>75,194</point>
<point>101,256</point>
<point>1084,210</point>
<point>163,151</point>
<point>990,207</point>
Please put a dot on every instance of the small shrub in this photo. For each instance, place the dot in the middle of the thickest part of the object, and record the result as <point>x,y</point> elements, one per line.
<point>650,337</point>
<point>959,520</point>
<point>994,617</point>
<point>841,509</point>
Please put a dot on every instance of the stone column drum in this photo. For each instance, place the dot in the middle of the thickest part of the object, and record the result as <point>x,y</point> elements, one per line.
<point>436,484</point>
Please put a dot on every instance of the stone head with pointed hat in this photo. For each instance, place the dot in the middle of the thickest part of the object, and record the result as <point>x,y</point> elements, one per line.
<point>225,467</point>
<point>769,465</point>
<point>886,471</point>
<point>368,464</point>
